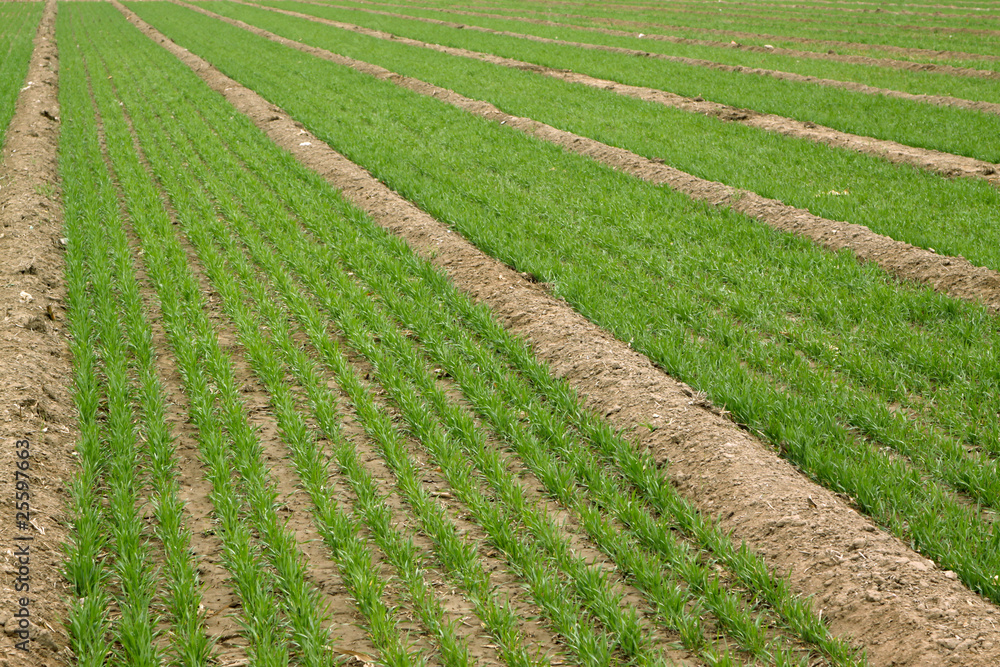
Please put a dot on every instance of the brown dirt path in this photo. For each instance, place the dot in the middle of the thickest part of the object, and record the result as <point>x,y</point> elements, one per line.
<point>946,164</point>
<point>36,373</point>
<point>953,275</point>
<point>732,34</point>
<point>888,63</point>
<point>869,584</point>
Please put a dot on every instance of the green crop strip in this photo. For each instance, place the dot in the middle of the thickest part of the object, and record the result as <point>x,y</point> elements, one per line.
<point>927,83</point>
<point>854,14</point>
<point>18,23</point>
<point>690,23</point>
<point>88,195</point>
<point>701,292</point>
<point>197,350</point>
<point>888,199</point>
<point>715,595</point>
<point>569,21</point>
<point>451,550</point>
<point>905,121</point>
<point>122,337</point>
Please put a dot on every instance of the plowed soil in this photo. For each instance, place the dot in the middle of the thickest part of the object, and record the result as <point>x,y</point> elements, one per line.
<point>36,373</point>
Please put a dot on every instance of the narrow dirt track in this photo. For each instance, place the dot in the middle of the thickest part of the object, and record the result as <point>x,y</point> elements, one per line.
<point>733,34</point>
<point>953,275</point>
<point>869,584</point>
<point>946,164</point>
<point>888,63</point>
<point>35,376</point>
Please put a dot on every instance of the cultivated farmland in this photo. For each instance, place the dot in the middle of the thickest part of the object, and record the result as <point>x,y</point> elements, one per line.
<point>533,333</point>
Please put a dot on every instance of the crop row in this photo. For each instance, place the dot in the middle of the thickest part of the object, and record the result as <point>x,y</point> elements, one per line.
<point>179,155</point>
<point>916,82</point>
<point>776,13</point>
<point>18,22</point>
<point>813,351</point>
<point>846,110</point>
<point>696,23</point>
<point>844,45</point>
<point>908,14</point>
<point>888,199</point>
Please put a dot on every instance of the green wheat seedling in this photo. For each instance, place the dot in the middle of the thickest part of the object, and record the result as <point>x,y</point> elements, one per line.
<point>671,76</point>
<point>550,593</point>
<point>772,30</point>
<point>399,280</point>
<point>268,216</point>
<point>885,197</point>
<point>84,569</point>
<point>326,294</point>
<point>130,571</point>
<point>609,540</point>
<point>719,51</point>
<point>457,556</point>
<point>188,643</point>
<point>637,467</point>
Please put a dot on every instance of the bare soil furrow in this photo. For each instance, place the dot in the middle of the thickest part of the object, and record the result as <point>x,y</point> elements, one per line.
<point>953,275</point>
<point>732,34</point>
<point>888,63</point>
<point>35,403</point>
<point>872,586</point>
<point>946,164</point>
